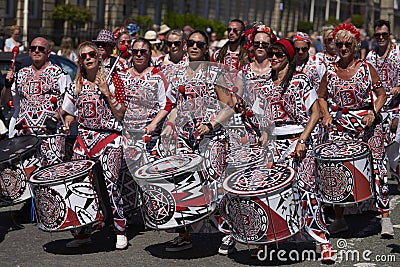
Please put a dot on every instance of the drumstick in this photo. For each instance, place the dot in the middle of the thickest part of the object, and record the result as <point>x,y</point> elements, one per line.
<point>15,52</point>
<point>123,49</point>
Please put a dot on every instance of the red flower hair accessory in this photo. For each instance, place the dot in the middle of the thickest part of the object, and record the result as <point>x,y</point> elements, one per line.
<point>250,33</point>
<point>347,27</point>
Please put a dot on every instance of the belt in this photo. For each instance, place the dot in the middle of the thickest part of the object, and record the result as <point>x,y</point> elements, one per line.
<point>287,136</point>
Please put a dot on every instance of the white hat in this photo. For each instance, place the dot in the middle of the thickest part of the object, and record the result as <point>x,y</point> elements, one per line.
<point>152,37</point>
<point>164,29</point>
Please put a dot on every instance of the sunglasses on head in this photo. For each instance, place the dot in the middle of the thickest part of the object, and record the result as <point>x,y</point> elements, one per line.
<point>382,35</point>
<point>143,52</point>
<point>263,44</point>
<point>40,48</point>
<point>232,29</point>
<point>346,44</point>
<point>276,54</point>
<point>199,44</point>
<point>91,54</point>
<point>176,43</point>
<point>303,49</point>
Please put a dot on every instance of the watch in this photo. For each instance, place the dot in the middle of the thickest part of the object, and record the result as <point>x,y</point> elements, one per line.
<point>301,141</point>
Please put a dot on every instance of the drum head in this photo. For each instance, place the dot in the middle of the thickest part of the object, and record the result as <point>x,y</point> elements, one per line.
<point>62,171</point>
<point>18,147</point>
<point>168,166</point>
<point>258,179</point>
<point>341,149</point>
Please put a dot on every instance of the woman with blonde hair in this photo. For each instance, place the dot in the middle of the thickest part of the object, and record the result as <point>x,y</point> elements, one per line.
<point>99,112</point>
<point>14,40</point>
<point>67,49</point>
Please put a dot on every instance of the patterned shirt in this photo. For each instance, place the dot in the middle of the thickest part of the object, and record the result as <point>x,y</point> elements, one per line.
<point>231,59</point>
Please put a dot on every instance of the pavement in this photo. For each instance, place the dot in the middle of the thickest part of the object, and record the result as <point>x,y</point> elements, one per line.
<point>361,246</point>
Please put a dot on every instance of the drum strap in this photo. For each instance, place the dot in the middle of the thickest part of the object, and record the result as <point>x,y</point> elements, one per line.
<point>98,147</point>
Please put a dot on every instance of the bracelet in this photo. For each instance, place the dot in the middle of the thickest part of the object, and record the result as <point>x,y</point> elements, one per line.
<point>301,141</point>
<point>170,124</point>
<point>117,107</point>
<point>210,126</point>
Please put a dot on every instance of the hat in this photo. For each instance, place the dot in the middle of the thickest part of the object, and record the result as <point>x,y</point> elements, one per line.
<point>132,28</point>
<point>288,46</point>
<point>188,28</point>
<point>152,37</point>
<point>105,36</point>
<point>164,29</point>
<point>302,36</point>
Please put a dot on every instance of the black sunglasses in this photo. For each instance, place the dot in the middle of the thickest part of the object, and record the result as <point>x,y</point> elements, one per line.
<point>101,44</point>
<point>143,52</point>
<point>346,44</point>
<point>176,43</point>
<point>40,48</point>
<point>199,44</point>
<point>277,54</point>
<point>232,29</point>
<point>91,54</point>
<point>304,49</point>
<point>381,35</point>
<point>263,44</point>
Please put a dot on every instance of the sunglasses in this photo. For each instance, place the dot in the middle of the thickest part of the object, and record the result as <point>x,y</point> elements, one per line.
<point>232,29</point>
<point>199,44</point>
<point>91,54</point>
<point>101,44</point>
<point>276,54</point>
<point>329,40</point>
<point>383,35</point>
<point>346,44</point>
<point>176,43</point>
<point>40,48</point>
<point>143,52</point>
<point>263,44</point>
<point>303,49</point>
<point>125,41</point>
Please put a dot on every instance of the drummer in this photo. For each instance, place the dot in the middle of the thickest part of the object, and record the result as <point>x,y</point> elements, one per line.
<point>361,81</point>
<point>193,132</point>
<point>99,115</point>
<point>294,108</point>
<point>38,92</point>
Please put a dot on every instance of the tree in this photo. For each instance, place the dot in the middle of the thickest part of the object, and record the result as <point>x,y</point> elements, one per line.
<point>76,16</point>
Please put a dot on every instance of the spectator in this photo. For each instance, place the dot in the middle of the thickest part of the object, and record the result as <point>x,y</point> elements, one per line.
<point>67,49</point>
<point>14,40</point>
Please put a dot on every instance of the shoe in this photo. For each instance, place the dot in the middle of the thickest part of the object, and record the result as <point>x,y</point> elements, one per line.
<point>79,242</point>
<point>387,228</point>
<point>338,226</point>
<point>327,253</point>
<point>179,244</point>
<point>228,245</point>
<point>122,242</point>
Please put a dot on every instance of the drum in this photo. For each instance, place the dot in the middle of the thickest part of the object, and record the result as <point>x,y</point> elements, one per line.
<point>131,192</point>
<point>344,172</point>
<point>19,157</point>
<point>244,156</point>
<point>64,196</point>
<point>262,204</point>
<point>175,191</point>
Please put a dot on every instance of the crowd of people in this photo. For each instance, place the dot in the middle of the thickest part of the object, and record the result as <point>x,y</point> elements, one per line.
<point>287,100</point>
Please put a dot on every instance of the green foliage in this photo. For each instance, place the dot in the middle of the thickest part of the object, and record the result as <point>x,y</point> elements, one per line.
<point>72,13</point>
<point>145,22</point>
<point>177,21</point>
<point>332,21</point>
<point>357,20</point>
<point>305,26</point>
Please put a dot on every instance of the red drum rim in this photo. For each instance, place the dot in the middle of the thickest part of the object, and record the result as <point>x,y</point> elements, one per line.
<point>169,166</point>
<point>18,149</point>
<point>236,183</point>
<point>335,156</point>
<point>50,175</point>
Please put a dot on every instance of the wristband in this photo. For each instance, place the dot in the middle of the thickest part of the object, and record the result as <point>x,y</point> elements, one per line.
<point>301,141</point>
<point>171,124</point>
